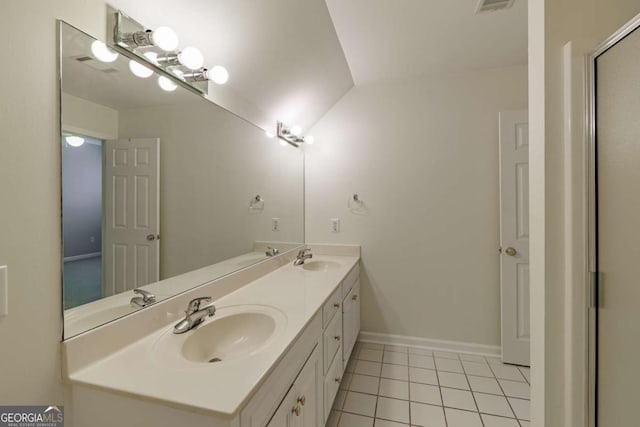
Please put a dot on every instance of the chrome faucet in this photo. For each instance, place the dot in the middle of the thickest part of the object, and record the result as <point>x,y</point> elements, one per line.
<point>271,251</point>
<point>194,315</point>
<point>146,298</point>
<point>303,255</point>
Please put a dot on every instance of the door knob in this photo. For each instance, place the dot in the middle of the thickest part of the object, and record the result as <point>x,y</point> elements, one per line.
<point>151,237</point>
<point>302,400</point>
<point>510,251</point>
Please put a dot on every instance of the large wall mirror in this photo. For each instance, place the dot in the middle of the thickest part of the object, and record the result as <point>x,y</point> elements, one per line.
<point>162,189</point>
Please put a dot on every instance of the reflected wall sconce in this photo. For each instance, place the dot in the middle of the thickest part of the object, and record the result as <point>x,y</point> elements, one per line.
<point>157,50</point>
<point>293,135</point>
<point>74,140</point>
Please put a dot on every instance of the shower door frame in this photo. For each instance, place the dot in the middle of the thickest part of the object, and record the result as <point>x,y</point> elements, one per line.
<point>592,217</point>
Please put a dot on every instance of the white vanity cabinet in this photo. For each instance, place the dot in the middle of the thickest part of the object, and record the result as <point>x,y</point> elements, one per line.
<point>301,406</point>
<point>350,321</point>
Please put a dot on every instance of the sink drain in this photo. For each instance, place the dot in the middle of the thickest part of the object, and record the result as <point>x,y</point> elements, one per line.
<point>215,359</point>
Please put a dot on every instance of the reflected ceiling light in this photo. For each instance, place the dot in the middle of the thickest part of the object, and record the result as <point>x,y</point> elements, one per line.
<point>74,141</point>
<point>166,84</point>
<point>296,130</point>
<point>139,70</point>
<point>269,134</point>
<point>309,139</point>
<point>102,52</point>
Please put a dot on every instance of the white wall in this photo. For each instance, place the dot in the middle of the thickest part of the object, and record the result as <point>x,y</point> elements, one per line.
<point>423,155</point>
<point>30,185</point>
<point>557,165</point>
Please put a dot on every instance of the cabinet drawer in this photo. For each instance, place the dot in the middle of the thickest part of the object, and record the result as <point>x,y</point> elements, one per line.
<point>332,339</point>
<point>331,385</point>
<point>350,280</point>
<point>331,307</point>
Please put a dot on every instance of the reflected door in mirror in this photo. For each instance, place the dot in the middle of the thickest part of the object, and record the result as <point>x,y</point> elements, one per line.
<point>131,187</point>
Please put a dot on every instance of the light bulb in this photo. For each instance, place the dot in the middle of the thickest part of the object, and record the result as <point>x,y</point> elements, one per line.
<point>165,38</point>
<point>296,130</point>
<point>269,134</point>
<point>166,84</point>
<point>139,70</point>
<point>218,74</point>
<point>102,52</point>
<point>74,141</point>
<point>309,139</point>
<point>283,143</point>
<point>191,58</point>
<point>151,56</point>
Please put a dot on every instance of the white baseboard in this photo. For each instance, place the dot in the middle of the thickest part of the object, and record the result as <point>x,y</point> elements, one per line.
<point>431,344</point>
<point>83,256</point>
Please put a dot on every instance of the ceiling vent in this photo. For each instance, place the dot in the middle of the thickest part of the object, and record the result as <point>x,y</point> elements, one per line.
<point>493,5</point>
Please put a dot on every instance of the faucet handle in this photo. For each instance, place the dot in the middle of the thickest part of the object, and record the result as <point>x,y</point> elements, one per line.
<point>194,304</point>
<point>304,252</point>
<point>146,295</point>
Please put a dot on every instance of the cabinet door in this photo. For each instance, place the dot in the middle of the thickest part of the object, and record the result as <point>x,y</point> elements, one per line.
<point>308,389</point>
<point>350,321</point>
<point>284,416</point>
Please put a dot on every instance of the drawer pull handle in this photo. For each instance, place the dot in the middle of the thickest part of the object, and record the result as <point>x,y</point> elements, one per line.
<point>296,410</point>
<point>338,379</point>
<point>302,400</point>
<point>354,297</point>
<point>336,305</point>
<point>337,337</point>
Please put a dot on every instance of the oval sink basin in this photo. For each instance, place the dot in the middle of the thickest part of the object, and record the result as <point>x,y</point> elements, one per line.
<point>320,265</point>
<point>234,333</point>
<point>229,337</point>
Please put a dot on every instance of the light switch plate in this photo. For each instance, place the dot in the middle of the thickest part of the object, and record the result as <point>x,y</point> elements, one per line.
<point>4,291</point>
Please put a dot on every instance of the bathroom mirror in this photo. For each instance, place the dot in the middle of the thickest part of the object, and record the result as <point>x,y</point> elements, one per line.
<point>162,190</point>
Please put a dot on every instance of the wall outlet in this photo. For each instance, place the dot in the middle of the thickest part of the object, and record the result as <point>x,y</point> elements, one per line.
<point>275,224</point>
<point>4,291</point>
<point>335,225</point>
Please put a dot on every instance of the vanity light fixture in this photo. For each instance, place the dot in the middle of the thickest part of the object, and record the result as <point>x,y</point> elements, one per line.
<point>74,141</point>
<point>159,48</point>
<point>163,37</point>
<point>102,52</point>
<point>293,135</point>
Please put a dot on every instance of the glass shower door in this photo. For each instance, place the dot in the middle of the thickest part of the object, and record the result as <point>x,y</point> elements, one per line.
<point>617,109</point>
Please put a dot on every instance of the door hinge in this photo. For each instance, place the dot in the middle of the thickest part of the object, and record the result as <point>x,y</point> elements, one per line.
<point>595,286</point>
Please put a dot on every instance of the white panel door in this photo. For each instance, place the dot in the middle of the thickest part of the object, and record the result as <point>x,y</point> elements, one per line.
<point>132,215</point>
<point>514,236</point>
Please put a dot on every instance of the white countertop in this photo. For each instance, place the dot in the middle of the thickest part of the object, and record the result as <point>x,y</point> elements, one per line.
<point>220,389</point>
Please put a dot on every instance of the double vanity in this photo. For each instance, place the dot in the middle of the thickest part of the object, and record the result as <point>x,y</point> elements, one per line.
<point>271,353</point>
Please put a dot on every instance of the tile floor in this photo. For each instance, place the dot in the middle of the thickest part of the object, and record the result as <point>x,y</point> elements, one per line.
<point>393,386</point>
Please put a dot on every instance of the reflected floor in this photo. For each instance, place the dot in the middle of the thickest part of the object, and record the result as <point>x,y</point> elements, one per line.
<point>82,281</point>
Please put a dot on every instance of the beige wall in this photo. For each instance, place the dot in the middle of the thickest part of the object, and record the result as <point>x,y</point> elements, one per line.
<point>557,197</point>
<point>88,118</point>
<point>30,187</point>
<point>423,155</point>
